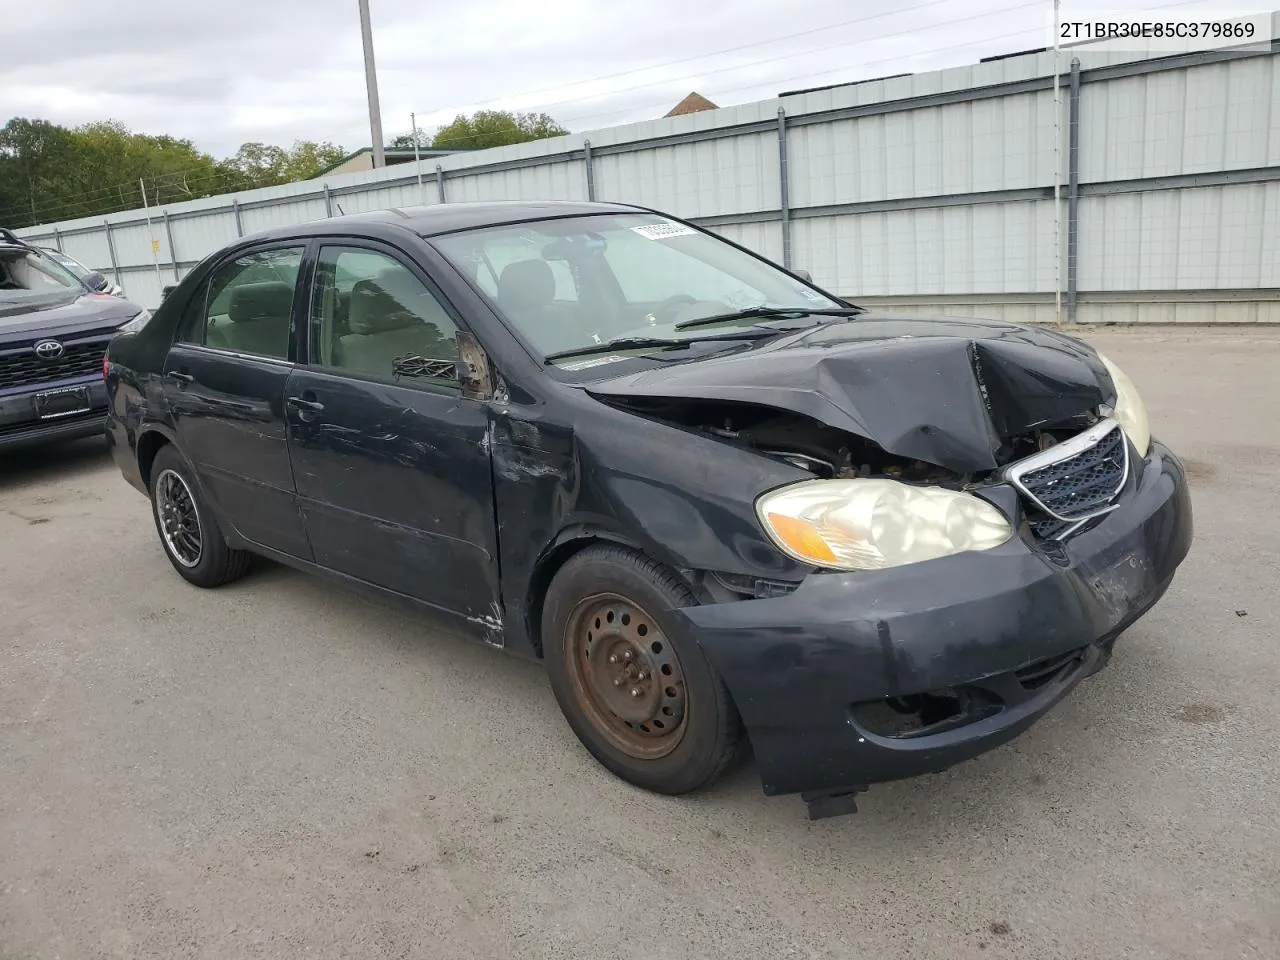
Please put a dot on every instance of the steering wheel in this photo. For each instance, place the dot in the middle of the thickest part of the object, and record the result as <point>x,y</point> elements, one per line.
<point>666,307</point>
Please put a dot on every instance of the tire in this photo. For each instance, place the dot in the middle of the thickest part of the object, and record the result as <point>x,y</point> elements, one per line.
<point>175,493</point>
<point>608,601</point>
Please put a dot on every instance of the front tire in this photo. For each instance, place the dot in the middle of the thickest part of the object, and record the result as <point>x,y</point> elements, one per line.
<point>646,703</point>
<point>188,532</point>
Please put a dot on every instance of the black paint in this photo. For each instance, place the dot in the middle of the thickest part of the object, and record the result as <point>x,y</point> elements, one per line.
<point>467,501</point>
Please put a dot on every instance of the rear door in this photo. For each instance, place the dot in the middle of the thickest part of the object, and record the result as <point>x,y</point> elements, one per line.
<point>225,386</point>
<point>391,460</point>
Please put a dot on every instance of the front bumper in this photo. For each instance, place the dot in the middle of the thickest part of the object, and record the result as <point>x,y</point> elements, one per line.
<point>20,426</point>
<point>1008,631</point>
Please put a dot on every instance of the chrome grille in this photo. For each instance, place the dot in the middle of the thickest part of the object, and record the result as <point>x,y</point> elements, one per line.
<point>1074,480</point>
<point>20,367</point>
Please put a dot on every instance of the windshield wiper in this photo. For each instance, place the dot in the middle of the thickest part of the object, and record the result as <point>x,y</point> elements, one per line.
<point>628,343</point>
<point>748,313</point>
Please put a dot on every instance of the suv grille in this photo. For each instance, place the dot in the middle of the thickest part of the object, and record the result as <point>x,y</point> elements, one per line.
<point>20,367</point>
<point>1074,480</point>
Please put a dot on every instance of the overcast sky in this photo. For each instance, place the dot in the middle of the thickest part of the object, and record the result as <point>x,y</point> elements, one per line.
<point>278,70</point>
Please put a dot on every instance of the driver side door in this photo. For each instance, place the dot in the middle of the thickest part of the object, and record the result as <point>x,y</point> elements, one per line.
<point>390,459</point>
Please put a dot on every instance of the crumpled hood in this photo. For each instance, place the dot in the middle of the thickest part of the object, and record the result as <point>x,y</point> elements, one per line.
<point>945,390</point>
<point>62,316</point>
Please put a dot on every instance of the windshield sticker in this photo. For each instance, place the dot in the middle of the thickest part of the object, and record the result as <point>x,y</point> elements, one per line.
<point>812,295</point>
<point>663,231</point>
<point>588,364</point>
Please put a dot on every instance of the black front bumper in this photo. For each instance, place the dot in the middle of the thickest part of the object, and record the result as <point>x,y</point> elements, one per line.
<point>20,425</point>
<point>1006,632</point>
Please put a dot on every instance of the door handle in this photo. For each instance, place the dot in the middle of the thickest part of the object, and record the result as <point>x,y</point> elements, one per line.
<point>181,379</point>
<point>306,408</point>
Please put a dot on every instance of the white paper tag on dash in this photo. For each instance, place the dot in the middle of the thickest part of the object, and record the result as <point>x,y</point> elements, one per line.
<point>588,364</point>
<point>664,231</point>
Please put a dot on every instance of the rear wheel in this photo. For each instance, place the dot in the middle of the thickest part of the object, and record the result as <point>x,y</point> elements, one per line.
<point>647,704</point>
<point>190,536</point>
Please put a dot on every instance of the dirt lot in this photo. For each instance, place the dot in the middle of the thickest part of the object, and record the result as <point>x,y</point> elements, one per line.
<point>281,770</point>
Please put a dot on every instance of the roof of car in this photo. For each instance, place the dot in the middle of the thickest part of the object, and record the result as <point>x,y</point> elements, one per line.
<point>428,221</point>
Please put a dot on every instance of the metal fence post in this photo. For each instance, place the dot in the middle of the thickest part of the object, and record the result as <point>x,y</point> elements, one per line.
<point>111,252</point>
<point>440,183</point>
<point>1073,192</point>
<point>784,188</point>
<point>57,240</point>
<point>235,210</point>
<point>173,251</point>
<point>328,202</point>
<point>591,172</point>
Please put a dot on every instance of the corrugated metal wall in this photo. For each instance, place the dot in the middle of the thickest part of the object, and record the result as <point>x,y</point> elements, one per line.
<point>932,192</point>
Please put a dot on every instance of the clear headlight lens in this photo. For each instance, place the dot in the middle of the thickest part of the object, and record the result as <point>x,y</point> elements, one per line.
<point>1130,412</point>
<point>136,324</point>
<point>872,523</point>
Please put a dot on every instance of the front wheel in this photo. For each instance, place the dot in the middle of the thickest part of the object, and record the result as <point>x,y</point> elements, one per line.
<point>648,705</point>
<point>188,532</point>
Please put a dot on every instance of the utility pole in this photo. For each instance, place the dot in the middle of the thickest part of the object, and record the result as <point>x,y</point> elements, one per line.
<point>1057,169</point>
<point>417,160</point>
<point>371,85</point>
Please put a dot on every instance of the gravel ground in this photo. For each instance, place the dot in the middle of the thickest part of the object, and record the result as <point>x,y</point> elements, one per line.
<point>279,769</point>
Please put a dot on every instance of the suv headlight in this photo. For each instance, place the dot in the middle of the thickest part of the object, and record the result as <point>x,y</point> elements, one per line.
<point>136,324</point>
<point>1130,412</point>
<point>870,524</point>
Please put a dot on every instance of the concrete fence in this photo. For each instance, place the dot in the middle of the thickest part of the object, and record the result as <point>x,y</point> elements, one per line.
<point>933,192</point>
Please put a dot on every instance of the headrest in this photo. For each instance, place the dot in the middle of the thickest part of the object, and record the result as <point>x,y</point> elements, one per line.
<point>526,285</point>
<point>377,305</point>
<point>268,299</point>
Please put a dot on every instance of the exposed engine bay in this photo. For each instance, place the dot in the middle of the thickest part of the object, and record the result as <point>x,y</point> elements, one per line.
<point>828,452</point>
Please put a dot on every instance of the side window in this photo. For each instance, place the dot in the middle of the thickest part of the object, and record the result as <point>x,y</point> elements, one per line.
<point>250,303</point>
<point>371,316</point>
<point>191,325</point>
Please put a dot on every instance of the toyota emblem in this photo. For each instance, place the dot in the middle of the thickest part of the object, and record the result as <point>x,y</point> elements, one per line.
<point>49,349</point>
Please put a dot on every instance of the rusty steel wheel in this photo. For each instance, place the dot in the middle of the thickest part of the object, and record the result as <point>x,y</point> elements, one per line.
<point>626,676</point>
<point>640,695</point>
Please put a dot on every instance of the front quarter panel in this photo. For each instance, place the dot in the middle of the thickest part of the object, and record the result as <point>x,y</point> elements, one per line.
<point>573,467</point>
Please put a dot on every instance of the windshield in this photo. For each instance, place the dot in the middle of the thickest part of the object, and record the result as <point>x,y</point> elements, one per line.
<point>27,274</point>
<point>77,268</point>
<point>578,281</point>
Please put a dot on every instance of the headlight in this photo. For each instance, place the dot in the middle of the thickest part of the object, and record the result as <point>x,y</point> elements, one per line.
<point>136,324</point>
<point>871,524</point>
<point>1130,412</point>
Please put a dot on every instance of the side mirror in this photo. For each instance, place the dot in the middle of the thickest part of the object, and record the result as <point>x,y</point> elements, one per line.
<point>95,281</point>
<point>167,289</point>
<point>804,275</point>
<point>472,368</point>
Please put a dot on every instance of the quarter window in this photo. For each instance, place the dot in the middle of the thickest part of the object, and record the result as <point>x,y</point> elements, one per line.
<point>371,316</point>
<point>250,304</point>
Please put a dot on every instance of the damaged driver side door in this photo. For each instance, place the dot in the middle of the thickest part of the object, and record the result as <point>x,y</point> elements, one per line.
<point>390,459</point>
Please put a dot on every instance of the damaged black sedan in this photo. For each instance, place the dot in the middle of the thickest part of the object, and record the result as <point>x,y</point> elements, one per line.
<point>723,505</point>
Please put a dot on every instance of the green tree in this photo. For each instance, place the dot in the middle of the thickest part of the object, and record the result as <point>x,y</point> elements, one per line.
<point>263,165</point>
<point>35,158</point>
<point>405,141</point>
<point>50,173</point>
<point>495,128</point>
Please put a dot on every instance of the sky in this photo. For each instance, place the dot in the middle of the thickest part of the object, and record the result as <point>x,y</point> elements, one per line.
<point>224,73</point>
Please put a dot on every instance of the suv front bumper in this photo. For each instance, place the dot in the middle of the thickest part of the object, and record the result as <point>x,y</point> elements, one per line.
<point>21,426</point>
<point>1007,632</point>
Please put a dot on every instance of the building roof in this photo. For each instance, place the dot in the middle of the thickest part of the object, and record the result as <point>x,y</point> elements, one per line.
<point>693,103</point>
<point>394,155</point>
